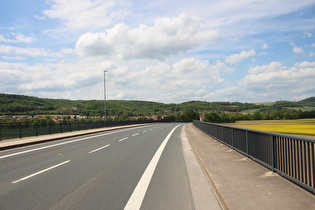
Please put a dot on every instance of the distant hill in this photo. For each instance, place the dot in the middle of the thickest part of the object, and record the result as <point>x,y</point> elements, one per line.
<point>308,101</point>
<point>29,105</point>
<point>21,103</point>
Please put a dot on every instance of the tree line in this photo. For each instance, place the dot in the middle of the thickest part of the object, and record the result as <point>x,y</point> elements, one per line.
<point>126,110</point>
<point>283,114</point>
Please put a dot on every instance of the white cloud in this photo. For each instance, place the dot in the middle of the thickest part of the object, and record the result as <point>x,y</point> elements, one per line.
<point>168,36</point>
<point>309,35</point>
<point>162,76</point>
<point>265,46</point>
<point>39,17</point>
<point>227,94</point>
<point>60,80</point>
<point>236,58</point>
<point>6,28</point>
<point>13,58</point>
<point>187,79</point>
<point>296,49</point>
<point>245,17</point>
<point>267,68</point>
<point>33,52</point>
<point>17,38</point>
<point>160,54</point>
<point>78,14</point>
<point>184,80</point>
<point>274,79</point>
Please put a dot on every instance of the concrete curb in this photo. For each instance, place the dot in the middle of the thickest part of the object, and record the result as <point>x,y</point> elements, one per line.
<point>202,165</point>
<point>204,194</point>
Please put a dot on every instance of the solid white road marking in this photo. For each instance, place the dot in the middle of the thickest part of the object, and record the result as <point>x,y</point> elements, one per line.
<point>123,139</point>
<point>136,134</point>
<point>42,171</point>
<point>99,148</point>
<point>138,194</point>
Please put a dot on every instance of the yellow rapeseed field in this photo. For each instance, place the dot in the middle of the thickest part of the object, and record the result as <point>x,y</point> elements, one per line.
<point>289,129</point>
<point>295,127</point>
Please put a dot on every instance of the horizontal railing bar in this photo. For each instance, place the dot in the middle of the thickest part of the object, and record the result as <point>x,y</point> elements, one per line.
<point>267,132</point>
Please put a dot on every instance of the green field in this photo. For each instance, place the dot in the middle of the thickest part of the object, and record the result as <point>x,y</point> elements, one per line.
<point>305,127</point>
<point>303,109</point>
<point>250,111</point>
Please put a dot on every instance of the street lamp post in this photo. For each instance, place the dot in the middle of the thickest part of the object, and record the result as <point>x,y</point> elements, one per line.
<point>105,93</point>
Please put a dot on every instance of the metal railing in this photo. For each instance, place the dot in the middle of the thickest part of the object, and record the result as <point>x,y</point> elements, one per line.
<point>291,156</point>
<point>20,130</point>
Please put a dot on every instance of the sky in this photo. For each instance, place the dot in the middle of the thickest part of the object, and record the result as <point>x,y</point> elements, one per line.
<point>158,50</point>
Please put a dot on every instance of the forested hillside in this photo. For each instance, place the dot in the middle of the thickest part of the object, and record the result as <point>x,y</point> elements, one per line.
<point>29,105</point>
<point>308,101</point>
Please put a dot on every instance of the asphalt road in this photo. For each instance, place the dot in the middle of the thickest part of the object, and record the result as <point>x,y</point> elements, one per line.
<point>145,167</point>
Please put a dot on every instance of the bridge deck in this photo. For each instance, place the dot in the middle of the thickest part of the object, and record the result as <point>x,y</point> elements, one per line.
<point>239,183</point>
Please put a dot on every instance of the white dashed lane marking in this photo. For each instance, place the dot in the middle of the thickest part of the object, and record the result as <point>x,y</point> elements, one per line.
<point>123,139</point>
<point>39,172</point>
<point>99,148</point>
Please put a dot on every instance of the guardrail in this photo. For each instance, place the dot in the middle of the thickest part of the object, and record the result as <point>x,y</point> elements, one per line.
<point>19,130</point>
<point>291,156</point>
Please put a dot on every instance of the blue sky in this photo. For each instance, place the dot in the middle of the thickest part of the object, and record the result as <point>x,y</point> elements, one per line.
<point>170,52</point>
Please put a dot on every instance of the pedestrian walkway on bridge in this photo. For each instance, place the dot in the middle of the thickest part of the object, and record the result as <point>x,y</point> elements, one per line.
<point>241,183</point>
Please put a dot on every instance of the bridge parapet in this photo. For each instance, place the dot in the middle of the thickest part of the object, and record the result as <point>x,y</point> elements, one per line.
<point>291,156</point>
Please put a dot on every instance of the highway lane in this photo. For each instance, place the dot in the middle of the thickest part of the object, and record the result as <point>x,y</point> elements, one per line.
<point>99,171</point>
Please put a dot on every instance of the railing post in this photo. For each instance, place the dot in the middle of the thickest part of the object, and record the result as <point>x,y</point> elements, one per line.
<point>313,158</point>
<point>247,146</point>
<point>222,139</point>
<point>60,127</point>
<point>70,126</point>
<point>36,129</point>
<point>232,131</point>
<point>20,128</point>
<point>49,128</point>
<point>272,153</point>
